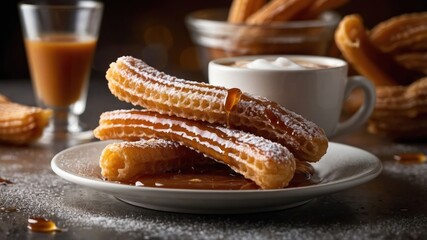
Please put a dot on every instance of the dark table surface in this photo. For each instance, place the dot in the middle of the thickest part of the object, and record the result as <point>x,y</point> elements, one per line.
<point>392,206</point>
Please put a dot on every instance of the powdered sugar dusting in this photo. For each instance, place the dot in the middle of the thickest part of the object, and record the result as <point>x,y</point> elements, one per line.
<point>136,82</point>
<point>267,148</point>
<point>150,143</point>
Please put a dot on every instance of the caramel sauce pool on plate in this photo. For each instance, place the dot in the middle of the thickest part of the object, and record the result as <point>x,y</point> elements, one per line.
<point>209,177</point>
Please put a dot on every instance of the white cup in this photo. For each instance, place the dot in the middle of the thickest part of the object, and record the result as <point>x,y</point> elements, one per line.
<point>316,94</point>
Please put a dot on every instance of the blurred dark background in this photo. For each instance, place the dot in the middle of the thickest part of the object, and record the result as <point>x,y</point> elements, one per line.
<point>154,30</point>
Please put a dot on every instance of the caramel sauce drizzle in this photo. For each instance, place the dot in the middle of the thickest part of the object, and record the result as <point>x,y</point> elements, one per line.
<point>40,224</point>
<point>208,177</point>
<point>4,181</point>
<point>212,177</point>
<point>232,99</point>
<point>414,157</point>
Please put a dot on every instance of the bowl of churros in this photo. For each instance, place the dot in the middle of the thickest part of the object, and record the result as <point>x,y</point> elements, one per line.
<point>264,27</point>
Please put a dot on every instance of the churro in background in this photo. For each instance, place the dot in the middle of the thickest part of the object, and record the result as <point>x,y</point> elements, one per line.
<point>392,56</point>
<point>317,7</point>
<point>257,27</point>
<point>404,37</point>
<point>277,11</point>
<point>240,10</point>
<point>21,124</point>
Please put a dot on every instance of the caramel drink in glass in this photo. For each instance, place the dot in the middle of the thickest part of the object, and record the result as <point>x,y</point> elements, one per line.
<point>60,41</point>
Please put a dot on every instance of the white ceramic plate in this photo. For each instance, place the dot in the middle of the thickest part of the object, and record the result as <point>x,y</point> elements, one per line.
<point>342,167</point>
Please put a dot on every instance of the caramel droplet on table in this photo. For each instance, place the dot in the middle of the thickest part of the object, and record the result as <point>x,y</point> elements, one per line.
<point>8,209</point>
<point>39,224</point>
<point>416,157</point>
<point>4,181</point>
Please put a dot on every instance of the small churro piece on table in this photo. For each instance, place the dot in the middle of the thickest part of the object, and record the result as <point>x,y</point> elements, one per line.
<point>269,164</point>
<point>277,10</point>
<point>133,81</point>
<point>352,39</point>
<point>122,161</point>
<point>240,10</point>
<point>21,124</point>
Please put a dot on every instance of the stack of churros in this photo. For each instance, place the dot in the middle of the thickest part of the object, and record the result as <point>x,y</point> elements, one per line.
<point>21,124</point>
<point>257,138</point>
<point>393,56</point>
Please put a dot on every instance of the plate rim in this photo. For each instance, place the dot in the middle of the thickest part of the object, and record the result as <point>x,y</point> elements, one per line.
<point>338,185</point>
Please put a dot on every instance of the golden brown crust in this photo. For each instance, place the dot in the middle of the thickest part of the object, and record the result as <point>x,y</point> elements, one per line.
<point>240,10</point>
<point>122,161</point>
<point>318,7</point>
<point>277,10</point>
<point>268,164</point>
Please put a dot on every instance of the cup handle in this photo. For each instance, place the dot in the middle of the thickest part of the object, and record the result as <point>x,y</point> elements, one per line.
<point>365,111</point>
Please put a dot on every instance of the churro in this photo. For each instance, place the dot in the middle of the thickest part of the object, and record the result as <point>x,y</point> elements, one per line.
<point>240,10</point>
<point>122,161</point>
<point>402,101</point>
<point>318,7</point>
<point>21,124</point>
<point>277,10</point>
<point>403,33</point>
<point>399,128</point>
<point>401,111</point>
<point>268,164</point>
<point>133,81</point>
<point>416,61</point>
<point>354,43</point>
<point>405,38</point>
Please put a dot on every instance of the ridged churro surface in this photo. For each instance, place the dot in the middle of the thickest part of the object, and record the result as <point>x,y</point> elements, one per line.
<point>268,164</point>
<point>133,81</point>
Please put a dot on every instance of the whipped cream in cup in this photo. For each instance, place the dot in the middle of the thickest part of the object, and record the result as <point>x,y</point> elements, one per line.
<point>278,63</point>
<point>312,86</point>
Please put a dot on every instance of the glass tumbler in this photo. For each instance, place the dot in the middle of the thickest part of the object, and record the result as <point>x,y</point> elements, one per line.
<point>60,40</point>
